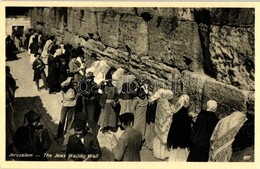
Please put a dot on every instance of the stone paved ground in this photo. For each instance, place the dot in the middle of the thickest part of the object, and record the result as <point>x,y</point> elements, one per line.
<point>49,106</point>
<point>27,97</point>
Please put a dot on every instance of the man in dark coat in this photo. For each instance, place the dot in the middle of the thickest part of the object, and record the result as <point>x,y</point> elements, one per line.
<point>31,139</point>
<point>83,145</point>
<point>202,131</point>
<point>90,95</point>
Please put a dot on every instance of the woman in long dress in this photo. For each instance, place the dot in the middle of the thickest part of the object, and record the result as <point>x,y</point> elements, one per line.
<point>178,141</point>
<point>162,123</point>
<point>223,136</point>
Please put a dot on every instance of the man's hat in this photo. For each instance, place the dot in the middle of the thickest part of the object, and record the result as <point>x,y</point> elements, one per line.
<point>32,116</point>
<point>90,75</point>
<point>74,53</point>
<point>80,124</point>
<point>126,117</point>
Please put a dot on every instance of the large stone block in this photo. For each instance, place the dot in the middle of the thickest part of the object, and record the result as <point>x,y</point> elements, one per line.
<point>110,30</point>
<point>175,43</point>
<point>88,24</point>
<point>193,84</point>
<point>232,54</point>
<point>70,38</point>
<point>133,35</point>
<point>229,98</point>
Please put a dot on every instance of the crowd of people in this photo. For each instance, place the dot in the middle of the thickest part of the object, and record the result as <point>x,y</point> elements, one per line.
<point>100,98</point>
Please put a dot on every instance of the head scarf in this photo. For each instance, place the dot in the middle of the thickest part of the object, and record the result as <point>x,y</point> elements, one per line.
<point>223,136</point>
<point>212,105</point>
<point>156,95</point>
<point>183,101</point>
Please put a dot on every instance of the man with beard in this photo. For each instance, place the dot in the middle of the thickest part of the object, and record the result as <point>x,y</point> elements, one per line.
<point>128,146</point>
<point>32,139</point>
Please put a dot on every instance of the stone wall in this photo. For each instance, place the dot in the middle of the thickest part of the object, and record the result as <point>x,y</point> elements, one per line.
<point>207,53</point>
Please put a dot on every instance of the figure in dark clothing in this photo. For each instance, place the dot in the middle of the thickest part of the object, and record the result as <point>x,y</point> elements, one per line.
<point>53,72</point>
<point>89,91</point>
<point>63,70</point>
<point>31,139</point>
<point>33,49</point>
<point>178,140</point>
<point>39,73</point>
<point>83,145</point>
<point>10,49</point>
<point>202,131</point>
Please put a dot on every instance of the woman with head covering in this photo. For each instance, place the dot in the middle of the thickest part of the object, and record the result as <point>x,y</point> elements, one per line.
<point>223,136</point>
<point>202,130</point>
<point>163,121</point>
<point>178,140</point>
<point>150,119</point>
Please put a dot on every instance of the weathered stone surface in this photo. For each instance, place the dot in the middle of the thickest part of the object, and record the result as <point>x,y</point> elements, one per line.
<point>180,13</point>
<point>133,35</point>
<point>229,98</point>
<point>95,45</point>
<point>251,103</point>
<point>193,84</point>
<point>71,38</point>
<point>232,54</point>
<point>88,23</point>
<point>233,16</point>
<point>110,30</point>
<point>175,43</point>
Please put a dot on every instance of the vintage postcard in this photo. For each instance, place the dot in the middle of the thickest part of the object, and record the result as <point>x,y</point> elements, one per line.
<point>158,84</point>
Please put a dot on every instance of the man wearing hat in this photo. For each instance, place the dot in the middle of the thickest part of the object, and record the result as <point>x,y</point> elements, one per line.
<point>68,107</point>
<point>31,139</point>
<point>83,145</point>
<point>129,145</point>
<point>75,67</point>
<point>89,91</point>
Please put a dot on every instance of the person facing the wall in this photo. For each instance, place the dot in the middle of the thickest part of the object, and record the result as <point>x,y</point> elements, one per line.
<point>201,133</point>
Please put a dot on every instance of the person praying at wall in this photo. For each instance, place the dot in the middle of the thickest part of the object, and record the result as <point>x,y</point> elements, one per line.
<point>75,67</point>
<point>10,49</point>
<point>63,70</point>
<point>33,49</point>
<point>140,104</point>
<point>83,145</point>
<point>128,146</point>
<point>201,133</point>
<point>39,73</point>
<point>223,136</point>
<point>178,141</point>
<point>90,91</point>
<point>163,119</point>
<point>16,38</point>
<point>107,119</point>
<point>68,107</point>
<point>53,71</point>
<point>32,138</point>
<point>47,47</point>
